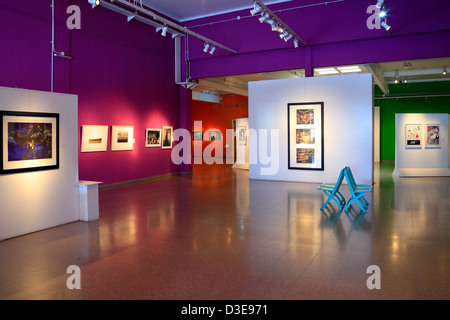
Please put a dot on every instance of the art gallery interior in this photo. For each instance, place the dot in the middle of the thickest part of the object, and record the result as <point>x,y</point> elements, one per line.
<point>173,150</point>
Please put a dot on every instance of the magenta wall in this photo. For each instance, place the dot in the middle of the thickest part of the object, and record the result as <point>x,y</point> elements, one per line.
<point>335,34</point>
<point>123,74</point>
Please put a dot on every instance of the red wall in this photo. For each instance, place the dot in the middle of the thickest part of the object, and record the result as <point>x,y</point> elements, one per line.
<point>219,116</point>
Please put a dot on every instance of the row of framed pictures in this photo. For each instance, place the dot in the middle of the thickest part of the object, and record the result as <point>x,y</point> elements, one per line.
<point>305,136</point>
<point>414,134</point>
<point>95,138</point>
<point>214,135</point>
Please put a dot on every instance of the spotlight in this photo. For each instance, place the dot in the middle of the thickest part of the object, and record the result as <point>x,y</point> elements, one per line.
<point>288,37</point>
<point>163,30</point>
<point>379,3</point>
<point>444,72</point>
<point>295,43</point>
<point>264,17</point>
<point>212,50</point>
<point>94,2</point>
<point>385,25</point>
<point>382,14</point>
<point>255,10</point>
<point>284,34</point>
<point>206,47</point>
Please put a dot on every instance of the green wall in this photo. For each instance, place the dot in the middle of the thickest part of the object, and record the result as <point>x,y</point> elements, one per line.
<point>389,107</point>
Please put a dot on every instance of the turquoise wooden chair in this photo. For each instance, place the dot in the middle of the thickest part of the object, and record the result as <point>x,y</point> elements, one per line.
<point>333,193</point>
<point>357,191</point>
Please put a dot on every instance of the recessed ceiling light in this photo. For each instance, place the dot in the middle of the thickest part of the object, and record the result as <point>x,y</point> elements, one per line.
<point>323,71</point>
<point>349,69</point>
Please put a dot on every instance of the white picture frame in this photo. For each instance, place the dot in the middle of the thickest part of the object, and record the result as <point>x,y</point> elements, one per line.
<point>152,137</point>
<point>122,138</point>
<point>432,136</point>
<point>166,137</point>
<point>94,138</point>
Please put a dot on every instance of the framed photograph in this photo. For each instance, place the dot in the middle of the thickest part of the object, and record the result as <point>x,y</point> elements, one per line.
<point>167,137</point>
<point>122,138</point>
<point>152,137</point>
<point>215,135</point>
<point>242,135</point>
<point>30,141</point>
<point>94,138</point>
<point>197,135</point>
<point>413,135</point>
<point>305,136</point>
<point>433,136</point>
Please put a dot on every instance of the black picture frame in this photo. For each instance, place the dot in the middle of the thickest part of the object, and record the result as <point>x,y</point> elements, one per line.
<point>29,141</point>
<point>305,117</point>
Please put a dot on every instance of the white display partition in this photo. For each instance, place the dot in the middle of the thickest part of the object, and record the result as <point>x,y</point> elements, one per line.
<point>34,201</point>
<point>421,160</point>
<point>348,126</point>
<point>241,144</point>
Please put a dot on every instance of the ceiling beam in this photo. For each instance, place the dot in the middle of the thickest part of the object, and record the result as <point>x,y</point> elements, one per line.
<point>223,87</point>
<point>378,76</point>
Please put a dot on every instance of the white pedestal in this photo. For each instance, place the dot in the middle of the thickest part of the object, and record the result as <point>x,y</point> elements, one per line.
<point>88,195</point>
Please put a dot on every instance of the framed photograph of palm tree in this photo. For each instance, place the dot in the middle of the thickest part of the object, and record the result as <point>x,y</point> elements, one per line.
<point>30,141</point>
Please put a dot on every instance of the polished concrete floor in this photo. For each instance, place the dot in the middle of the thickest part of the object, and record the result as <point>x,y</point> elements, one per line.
<point>216,235</point>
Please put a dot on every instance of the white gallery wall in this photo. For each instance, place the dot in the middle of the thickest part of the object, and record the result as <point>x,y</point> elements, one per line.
<point>33,201</point>
<point>421,160</point>
<point>348,126</point>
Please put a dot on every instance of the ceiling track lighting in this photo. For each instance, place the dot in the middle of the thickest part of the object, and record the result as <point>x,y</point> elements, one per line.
<point>444,72</point>
<point>131,9</point>
<point>276,23</point>
<point>385,25</point>
<point>206,47</point>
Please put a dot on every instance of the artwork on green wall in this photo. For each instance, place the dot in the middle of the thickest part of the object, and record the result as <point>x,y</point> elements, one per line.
<point>413,135</point>
<point>433,140</point>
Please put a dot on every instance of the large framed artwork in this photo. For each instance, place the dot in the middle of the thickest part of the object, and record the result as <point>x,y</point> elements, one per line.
<point>122,138</point>
<point>433,136</point>
<point>30,141</point>
<point>167,137</point>
<point>94,138</point>
<point>413,135</point>
<point>152,137</point>
<point>305,136</point>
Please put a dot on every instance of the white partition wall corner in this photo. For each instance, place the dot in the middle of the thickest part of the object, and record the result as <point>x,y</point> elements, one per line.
<point>347,127</point>
<point>39,199</point>
<point>421,144</point>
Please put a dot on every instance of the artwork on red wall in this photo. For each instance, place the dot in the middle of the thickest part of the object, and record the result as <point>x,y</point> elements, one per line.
<point>167,137</point>
<point>122,138</point>
<point>152,137</point>
<point>94,138</point>
<point>30,141</point>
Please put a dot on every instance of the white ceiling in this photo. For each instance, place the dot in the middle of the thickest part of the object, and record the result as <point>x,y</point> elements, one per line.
<point>183,10</point>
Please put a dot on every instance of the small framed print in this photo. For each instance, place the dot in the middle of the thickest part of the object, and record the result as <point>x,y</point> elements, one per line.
<point>305,136</point>
<point>215,135</point>
<point>242,135</point>
<point>413,135</point>
<point>152,137</point>
<point>433,136</point>
<point>94,138</point>
<point>122,138</point>
<point>197,135</point>
<point>30,141</point>
<point>167,137</point>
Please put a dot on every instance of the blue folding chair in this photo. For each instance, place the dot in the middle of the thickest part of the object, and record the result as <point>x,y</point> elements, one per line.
<point>333,193</point>
<point>357,191</point>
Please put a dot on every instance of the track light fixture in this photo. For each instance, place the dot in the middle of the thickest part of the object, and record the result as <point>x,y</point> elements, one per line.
<point>206,47</point>
<point>94,2</point>
<point>255,9</point>
<point>276,23</point>
<point>379,3</point>
<point>163,30</point>
<point>212,50</point>
<point>385,25</point>
<point>444,72</point>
